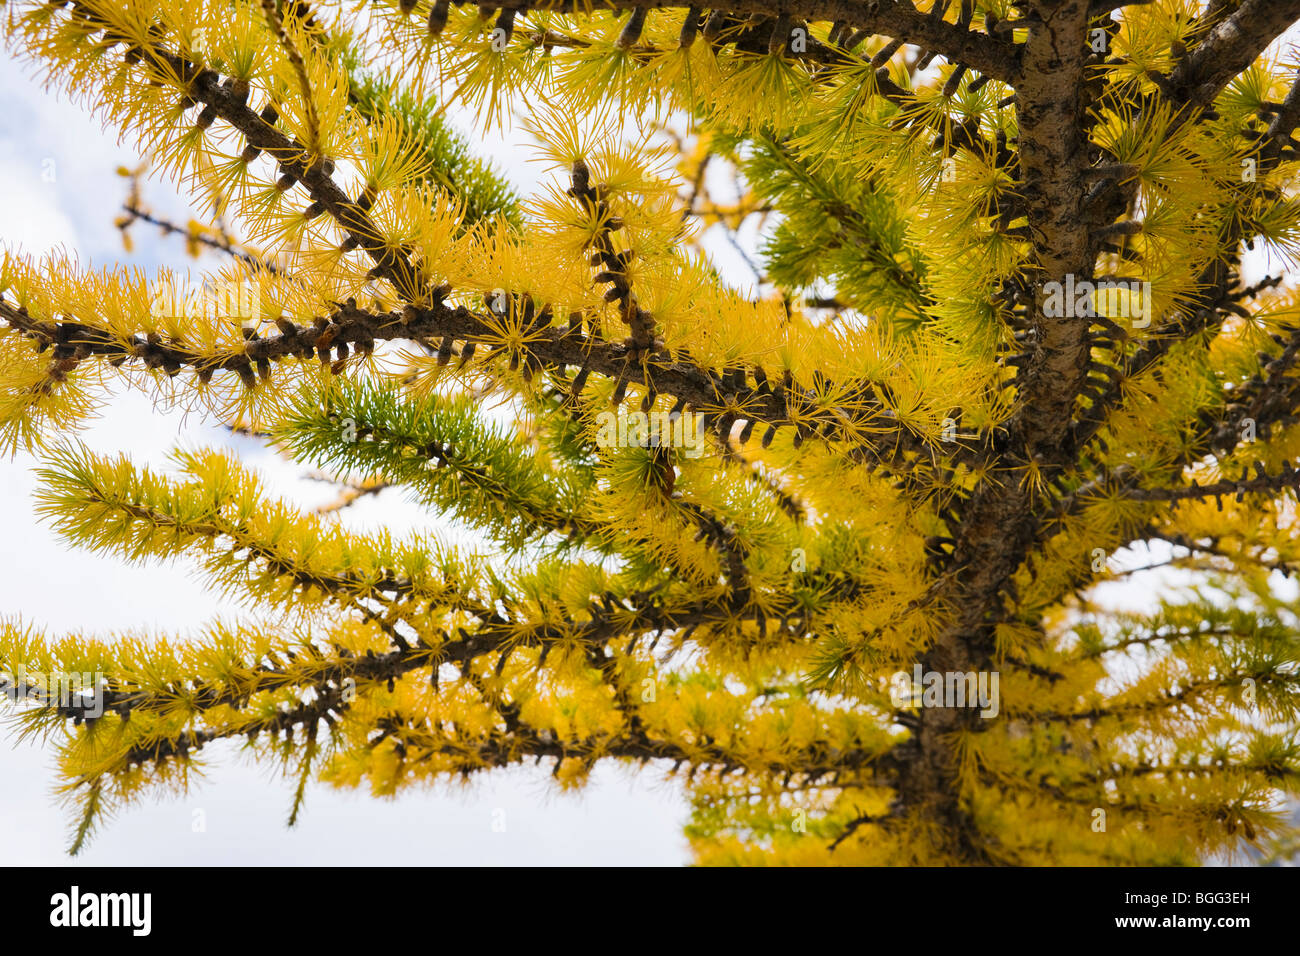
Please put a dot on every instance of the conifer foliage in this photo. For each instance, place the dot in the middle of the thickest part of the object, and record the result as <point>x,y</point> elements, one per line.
<point>1004,323</point>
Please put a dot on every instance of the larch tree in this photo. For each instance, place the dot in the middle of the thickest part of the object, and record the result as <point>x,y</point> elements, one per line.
<point>833,547</point>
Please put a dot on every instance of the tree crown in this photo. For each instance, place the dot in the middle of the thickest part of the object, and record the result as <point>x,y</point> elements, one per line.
<point>832,548</point>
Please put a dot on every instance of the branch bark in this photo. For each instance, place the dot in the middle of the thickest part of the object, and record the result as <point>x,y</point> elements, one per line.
<point>899,19</point>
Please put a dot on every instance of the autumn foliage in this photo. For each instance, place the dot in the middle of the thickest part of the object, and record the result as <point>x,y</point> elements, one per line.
<point>1003,321</point>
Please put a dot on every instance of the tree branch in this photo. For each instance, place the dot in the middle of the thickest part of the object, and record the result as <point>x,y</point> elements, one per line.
<point>990,55</point>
